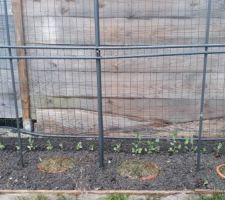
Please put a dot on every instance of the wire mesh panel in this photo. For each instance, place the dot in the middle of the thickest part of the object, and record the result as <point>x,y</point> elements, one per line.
<point>159,95</point>
<point>152,55</point>
<point>7,106</point>
<point>62,91</point>
<point>214,127</point>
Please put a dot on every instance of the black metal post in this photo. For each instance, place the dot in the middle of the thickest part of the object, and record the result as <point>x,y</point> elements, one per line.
<point>201,117</point>
<point>13,82</point>
<point>99,84</point>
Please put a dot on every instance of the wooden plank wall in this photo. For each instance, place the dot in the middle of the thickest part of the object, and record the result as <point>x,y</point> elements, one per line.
<point>7,109</point>
<point>144,92</point>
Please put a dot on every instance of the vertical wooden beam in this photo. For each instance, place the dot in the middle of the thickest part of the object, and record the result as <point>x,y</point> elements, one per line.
<point>22,64</point>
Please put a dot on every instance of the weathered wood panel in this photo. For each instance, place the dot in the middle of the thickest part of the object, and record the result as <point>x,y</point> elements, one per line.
<point>126,85</point>
<point>6,81</point>
<point>78,121</point>
<point>124,8</point>
<point>7,106</point>
<point>139,109</point>
<point>170,64</point>
<point>7,109</point>
<point>71,30</point>
<point>140,92</point>
<point>126,115</point>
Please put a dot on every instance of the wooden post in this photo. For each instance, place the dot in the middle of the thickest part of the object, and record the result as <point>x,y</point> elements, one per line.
<point>22,64</point>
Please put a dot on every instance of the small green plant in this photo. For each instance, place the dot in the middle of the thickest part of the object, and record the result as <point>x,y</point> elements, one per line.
<point>41,197</point>
<point>175,146</point>
<point>203,150</point>
<point>206,183</point>
<point>22,198</point>
<point>63,197</point>
<point>189,145</point>
<point>136,147</point>
<point>38,197</point>
<point>91,147</point>
<point>61,146</point>
<point>116,197</point>
<point>187,142</point>
<point>2,146</point>
<point>31,146</point>
<point>117,148</point>
<point>49,145</point>
<point>79,146</point>
<point>153,146</point>
<point>218,149</point>
<point>216,196</point>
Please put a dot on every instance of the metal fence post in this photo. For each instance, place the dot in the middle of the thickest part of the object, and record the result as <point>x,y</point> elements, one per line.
<point>201,117</point>
<point>99,83</point>
<point>13,81</point>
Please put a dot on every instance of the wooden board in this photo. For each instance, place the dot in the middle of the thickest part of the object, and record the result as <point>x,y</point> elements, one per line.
<point>7,106</point>
<point>126,85</point>
<point>124,8</point>
<point>126,115</point>
<point>78,121</point>
<point>72,30</point>
<point>170,64</point>
<point>6,81</point>
<point>169,110</point>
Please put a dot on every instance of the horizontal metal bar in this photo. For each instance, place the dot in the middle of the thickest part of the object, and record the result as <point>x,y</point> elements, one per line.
<point>113,47</point>
<point>111,57</point>
<point>47,135</point>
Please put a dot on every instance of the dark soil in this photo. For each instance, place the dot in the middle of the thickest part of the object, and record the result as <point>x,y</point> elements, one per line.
<point>176,171</point>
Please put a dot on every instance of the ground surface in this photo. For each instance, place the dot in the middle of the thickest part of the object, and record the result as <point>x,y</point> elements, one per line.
<point>95,195</point>
<point>176,172</point>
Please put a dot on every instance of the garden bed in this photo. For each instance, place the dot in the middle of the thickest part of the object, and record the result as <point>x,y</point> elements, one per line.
<point>177,170</point>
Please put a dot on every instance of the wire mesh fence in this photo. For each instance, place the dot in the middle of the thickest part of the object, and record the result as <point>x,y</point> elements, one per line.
<point>86,67</point>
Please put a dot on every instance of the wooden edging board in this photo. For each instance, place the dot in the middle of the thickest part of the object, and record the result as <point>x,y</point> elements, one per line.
<point>104,192</point>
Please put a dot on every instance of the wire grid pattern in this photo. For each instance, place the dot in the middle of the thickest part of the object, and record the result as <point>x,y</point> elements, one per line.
<point>152,95</point>
<point>7,107</point>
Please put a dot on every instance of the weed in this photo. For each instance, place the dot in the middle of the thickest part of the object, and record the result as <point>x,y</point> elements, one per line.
<point>136,147</point>
<point>49,145</point>
<point>116,197</point>
<point>117,148</point>
<point>216,196</point>
<point>2,146</point>
<point>79,146</point>
<point>31,146</point>
<point>175,146</point>
<point>153,146</point>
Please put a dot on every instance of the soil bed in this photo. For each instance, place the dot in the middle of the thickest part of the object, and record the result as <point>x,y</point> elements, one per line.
<point>177,172</point>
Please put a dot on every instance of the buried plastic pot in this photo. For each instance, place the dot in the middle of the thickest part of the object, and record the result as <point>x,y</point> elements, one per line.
<point>143,170</point>
<point>220,170</point>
